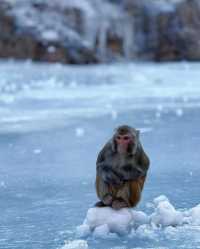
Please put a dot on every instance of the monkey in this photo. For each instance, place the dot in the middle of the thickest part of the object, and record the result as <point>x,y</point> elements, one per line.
<point>121,169</point>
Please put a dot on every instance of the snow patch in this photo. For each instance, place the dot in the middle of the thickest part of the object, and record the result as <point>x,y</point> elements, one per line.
<point>75,244</point>
<point>101,231</point>
<point>179,112</point>
<point>80,132</point>
<point>37,151</point>
<point>50,35</point>
<point>104,222</point>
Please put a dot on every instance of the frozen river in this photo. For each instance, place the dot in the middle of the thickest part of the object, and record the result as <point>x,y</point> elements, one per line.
<point>54,120</point>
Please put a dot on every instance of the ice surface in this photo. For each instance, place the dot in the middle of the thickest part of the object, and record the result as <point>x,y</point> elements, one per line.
<point>43,107</point>
<point>70,99</point>
<point>103,222</point>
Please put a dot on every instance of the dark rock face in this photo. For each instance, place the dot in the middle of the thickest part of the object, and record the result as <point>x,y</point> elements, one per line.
<point>68,31</point>
<point>91,31</point>
<point>178,37</point>
<point>23,40</point>
<point>168,30</point>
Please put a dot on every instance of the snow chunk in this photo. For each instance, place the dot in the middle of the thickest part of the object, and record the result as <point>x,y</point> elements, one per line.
<point>140,218</point>
<point>195,215</point>
<point>76,244</point>
<point>159,199</point>
<point>192,216</point>
<point>83,231</point>
<point>146,231</point>
<point>101,231</point>
<point>80,132</point>
<point>165,214</point>
<point>116,221</point>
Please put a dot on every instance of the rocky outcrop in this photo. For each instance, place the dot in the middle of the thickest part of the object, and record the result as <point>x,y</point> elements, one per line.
<point>91,31</point>
<point>166,30</point>
<point>24,33</point>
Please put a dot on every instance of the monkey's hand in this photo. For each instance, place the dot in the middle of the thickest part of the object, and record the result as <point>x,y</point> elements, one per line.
<point>131,173</point>
<point>111,177</point>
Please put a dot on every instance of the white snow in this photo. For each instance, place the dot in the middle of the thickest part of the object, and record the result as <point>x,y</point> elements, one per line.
<point>103,222</point>
<point>192,216</point>
<point>166,215</point>
<point>101,231</point>
<point>75,244</point>
<point>163,5</point>
<point>2,184</point>
<point>51,49</point>
<point>179,112</point>
<point>83,230</point>
<point>50,35</point>
<point>80,132</point>
<point>37,151</point>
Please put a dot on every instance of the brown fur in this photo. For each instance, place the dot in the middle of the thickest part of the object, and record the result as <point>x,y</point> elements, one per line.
<point>122,177</point>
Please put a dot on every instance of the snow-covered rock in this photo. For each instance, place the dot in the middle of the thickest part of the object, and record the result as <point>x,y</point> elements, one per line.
<point>99,30</point>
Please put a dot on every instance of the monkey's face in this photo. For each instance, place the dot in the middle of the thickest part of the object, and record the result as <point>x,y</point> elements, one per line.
<point>125,139</point>
<point>123,142</point>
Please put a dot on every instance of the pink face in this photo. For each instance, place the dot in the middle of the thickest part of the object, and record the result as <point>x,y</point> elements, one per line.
<point>123,141</point>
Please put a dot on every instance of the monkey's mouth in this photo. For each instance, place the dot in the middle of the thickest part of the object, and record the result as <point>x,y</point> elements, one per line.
<point>122,148</point>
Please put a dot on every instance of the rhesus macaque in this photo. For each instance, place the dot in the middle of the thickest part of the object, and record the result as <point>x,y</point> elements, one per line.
<point>121,169</point>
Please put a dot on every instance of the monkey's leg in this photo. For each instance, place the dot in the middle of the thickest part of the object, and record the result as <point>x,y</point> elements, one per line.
<point>129,194</point>
<point>136,188</point>
<point>122,196</point>
<point>104,192</point>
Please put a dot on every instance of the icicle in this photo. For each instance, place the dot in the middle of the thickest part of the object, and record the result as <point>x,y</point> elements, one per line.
<point>102,45</point>
<point>128,37</point>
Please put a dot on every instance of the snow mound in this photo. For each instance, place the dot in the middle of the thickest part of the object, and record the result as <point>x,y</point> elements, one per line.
<point>107,222</point>
<point>102,221</point>
<point>165,214</point>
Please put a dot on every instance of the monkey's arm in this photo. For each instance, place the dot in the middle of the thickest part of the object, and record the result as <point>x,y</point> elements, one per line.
<point>143,160</point>
<point>105,171</point>
<point>132,171</point>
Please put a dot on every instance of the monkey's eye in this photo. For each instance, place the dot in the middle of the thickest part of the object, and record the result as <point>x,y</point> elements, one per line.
<point>119,138</point>
<point>126,137</point>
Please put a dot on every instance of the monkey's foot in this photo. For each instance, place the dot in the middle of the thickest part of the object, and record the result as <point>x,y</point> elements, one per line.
<point>100,204</point>
<point>118,204</point>
<point>107,200</point>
